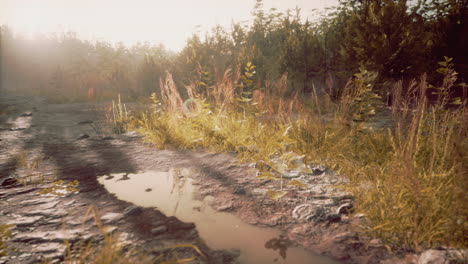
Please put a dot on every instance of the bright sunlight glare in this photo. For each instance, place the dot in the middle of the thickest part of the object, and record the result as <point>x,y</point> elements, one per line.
<point>131,21</point>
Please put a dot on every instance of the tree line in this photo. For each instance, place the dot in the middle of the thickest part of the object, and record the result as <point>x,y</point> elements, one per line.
<point>396,39</point>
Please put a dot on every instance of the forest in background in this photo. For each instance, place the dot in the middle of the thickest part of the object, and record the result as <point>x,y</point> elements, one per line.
<point>398,40</point>
<point>283,88</point>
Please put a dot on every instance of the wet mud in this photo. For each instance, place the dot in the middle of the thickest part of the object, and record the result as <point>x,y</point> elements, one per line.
<point>206,205</point>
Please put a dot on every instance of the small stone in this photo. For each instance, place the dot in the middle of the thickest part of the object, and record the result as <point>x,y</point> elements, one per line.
<point>38,201</point>
<point>50,247</point>
<point>124,237</point>
<point>55,221</point>
<point>55,257</point>
<point>111,217</point>
<point>124,178</point>
<point>274,220</point>
<point>322,213</point>
<point>292,174</point>
<point>24,255</point>
<point>48,213</point>
<point>108,229</point>
<point>26,114</point>
<point>209,198</point>
<point>408,258</point>
<point>17,128</point>
<point>148,190</point>
<point>48,205</point>
<point>133,210</point>
<point>51,236</point>
<point>333,218</point>
<point>433,256</point>
<point>133,134</point>
<point>302,211</point>
<point>359,216</point>
<point>225,207</point>
<point>25,221</point>
<point>318,170</point>
<point>159,230</point>
<point>85,122</point>
<point>375,243</point>
<point>225,256</point>
<point>457,255</point>
<point>176,224</point>
<point>158,223</point>
<point>239,190</point>
<point>345,236</point>
<point>69,203</point>
<point>299,231</point>
<point>344,208</point>
<point>9,181</point>
<point>82,136</point>
<point>323,202</point>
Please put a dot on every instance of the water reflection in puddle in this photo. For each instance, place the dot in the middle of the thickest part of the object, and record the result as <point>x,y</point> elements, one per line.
<point>172,193</point>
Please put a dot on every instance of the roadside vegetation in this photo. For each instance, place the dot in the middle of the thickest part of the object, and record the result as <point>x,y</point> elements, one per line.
<point>407,175</point>
<point>373,90</point>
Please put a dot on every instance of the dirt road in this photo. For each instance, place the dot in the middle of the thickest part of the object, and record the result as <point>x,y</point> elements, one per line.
<point>72,142</point>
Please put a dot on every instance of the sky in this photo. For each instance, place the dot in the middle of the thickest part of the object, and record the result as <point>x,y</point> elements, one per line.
<point>169,22</point>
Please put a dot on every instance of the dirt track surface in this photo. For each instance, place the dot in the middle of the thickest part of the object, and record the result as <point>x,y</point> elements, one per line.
<point>53,131</point>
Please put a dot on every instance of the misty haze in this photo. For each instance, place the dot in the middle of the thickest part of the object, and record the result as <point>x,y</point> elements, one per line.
<point>251,131</point>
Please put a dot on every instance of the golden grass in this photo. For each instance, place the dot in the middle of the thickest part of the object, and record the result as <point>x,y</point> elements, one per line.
<point>22,160</point>
<point>5,235</point>
<point>408,177</point>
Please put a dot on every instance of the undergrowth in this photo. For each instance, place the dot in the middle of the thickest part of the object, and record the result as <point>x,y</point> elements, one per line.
<point>408,176</point>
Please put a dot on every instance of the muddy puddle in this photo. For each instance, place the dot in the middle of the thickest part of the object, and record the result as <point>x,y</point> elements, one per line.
<point>172,193</point>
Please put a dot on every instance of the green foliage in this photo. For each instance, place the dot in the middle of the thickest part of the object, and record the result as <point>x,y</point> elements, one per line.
<point>246,84</point>
<point>120,116</point>
<point>396,39</point>
<point>384,36</point>
<point>206,81</point>
<point>276,195</point>
<point>360,96</point>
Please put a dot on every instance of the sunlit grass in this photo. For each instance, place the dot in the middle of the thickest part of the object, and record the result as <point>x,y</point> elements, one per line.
<point>24,161</point>
<point>409,178</point>
<point>5,235</point>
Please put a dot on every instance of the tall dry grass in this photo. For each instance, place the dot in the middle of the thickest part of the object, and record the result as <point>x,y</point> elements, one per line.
<point>408,176</point>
